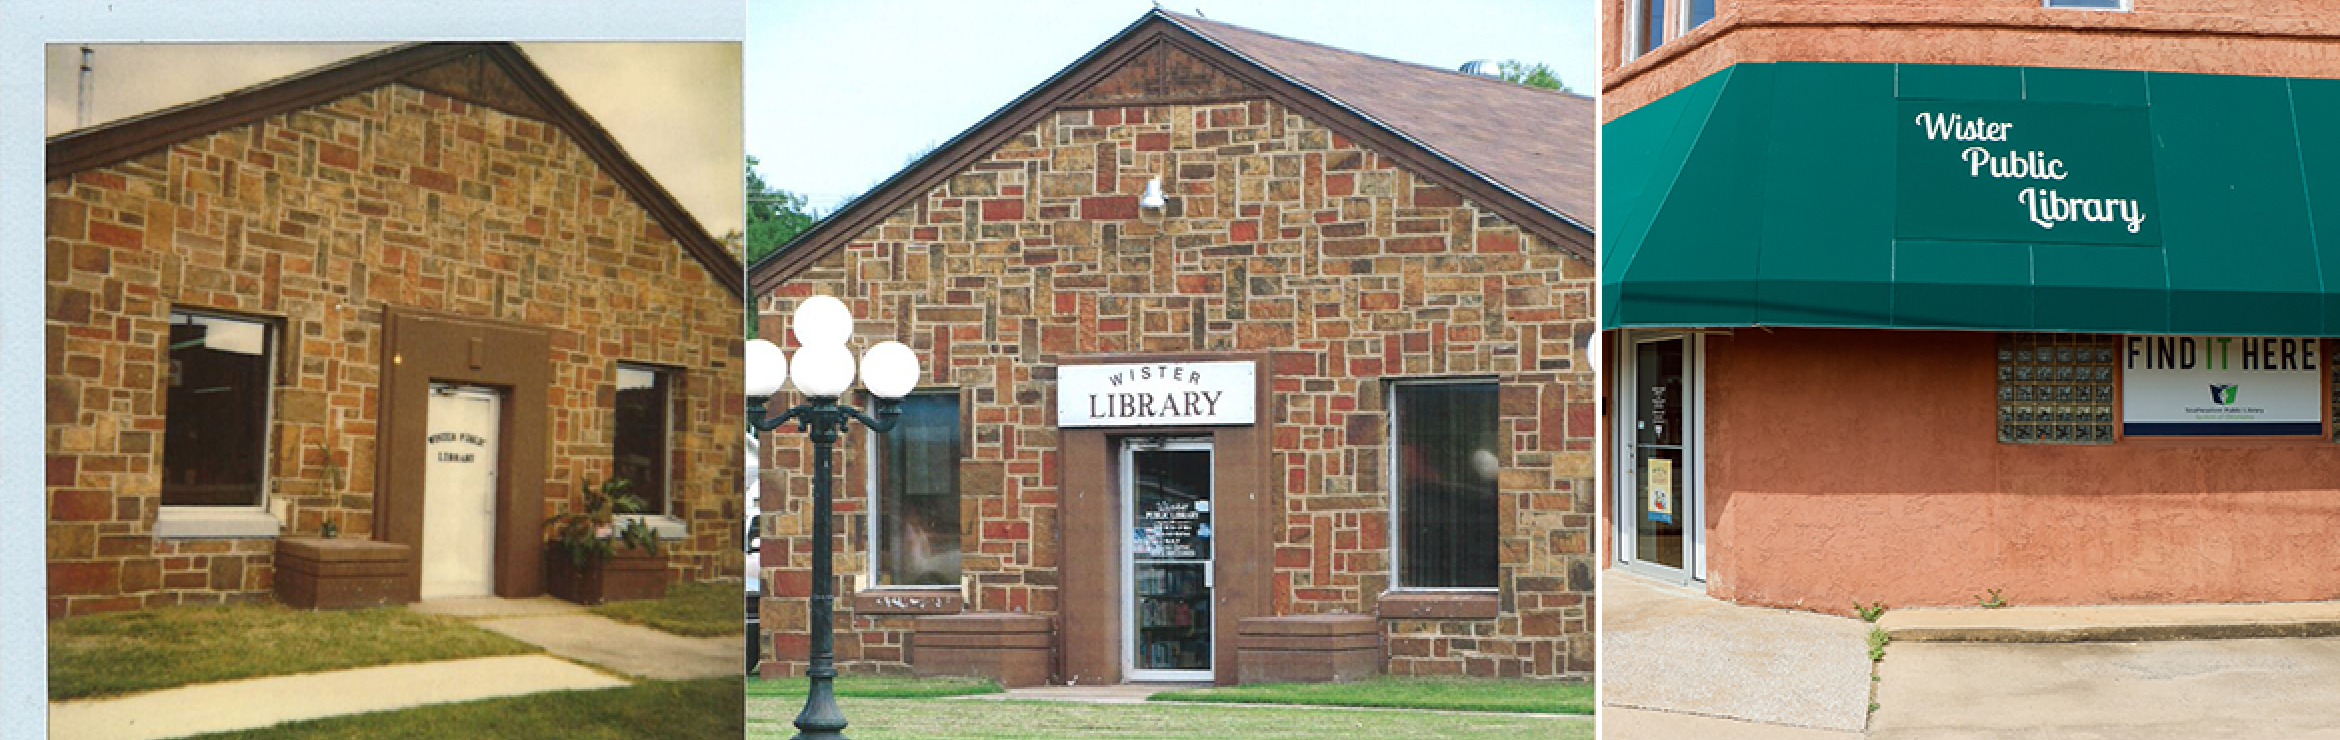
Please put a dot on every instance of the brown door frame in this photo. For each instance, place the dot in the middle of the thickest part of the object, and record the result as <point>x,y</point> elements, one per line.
<point>420,347</point>
<point>1090,538</point>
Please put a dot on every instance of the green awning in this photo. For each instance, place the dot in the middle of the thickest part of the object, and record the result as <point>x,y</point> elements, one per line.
<point>1808,194</point>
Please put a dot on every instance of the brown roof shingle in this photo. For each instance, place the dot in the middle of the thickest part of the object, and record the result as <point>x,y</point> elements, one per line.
<point>1536,142</point>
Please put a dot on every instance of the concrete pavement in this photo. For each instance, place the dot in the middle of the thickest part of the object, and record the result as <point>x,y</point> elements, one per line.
<point>2249,688</point>
<point>573,632</point>
<point>2114,623</point>
<point>1623,723</point>
<point>1747,671</point>
<point>261,702</point>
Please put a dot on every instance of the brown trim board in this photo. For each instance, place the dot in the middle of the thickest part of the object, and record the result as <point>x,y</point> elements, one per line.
<point>1065,89</point>
<point>420,347</point>
<point>1091,533</point>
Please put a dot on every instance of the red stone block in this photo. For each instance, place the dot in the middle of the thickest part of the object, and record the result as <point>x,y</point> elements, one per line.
<point>1243,231</point>
<point>116,235</point>
<point>431,178</point>
<point>1151,143</point>
<point>1003,209</point>
<point>75,579</point>
<point>81,505</point>
<point>1109,207</point>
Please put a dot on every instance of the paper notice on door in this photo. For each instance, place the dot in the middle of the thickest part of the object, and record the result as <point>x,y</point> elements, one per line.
<point>1661,490</point>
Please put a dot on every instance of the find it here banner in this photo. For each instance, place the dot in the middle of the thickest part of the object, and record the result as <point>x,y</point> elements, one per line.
<point>2221,385</point>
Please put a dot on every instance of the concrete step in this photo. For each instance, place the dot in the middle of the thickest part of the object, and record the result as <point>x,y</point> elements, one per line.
<point>2046,624</point>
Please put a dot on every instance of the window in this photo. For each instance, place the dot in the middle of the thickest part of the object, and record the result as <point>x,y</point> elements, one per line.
<point>1657,21</point>
<point>2089,4</point>
<point>1445,438</point>
<point>2056,388</point>
<point>215,420</point>
<point>640,452</point>
<point>917,506</point>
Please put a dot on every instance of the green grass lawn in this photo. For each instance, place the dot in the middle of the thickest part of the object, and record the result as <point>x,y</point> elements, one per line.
<point>690,609</point>
<point>988,719</point>
<point>1467,694</point>
<point>880,687</point>
<point>656,710</point>
<point>124,652</point>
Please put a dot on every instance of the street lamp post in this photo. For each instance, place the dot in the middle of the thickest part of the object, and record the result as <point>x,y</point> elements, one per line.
<point>824,370</point>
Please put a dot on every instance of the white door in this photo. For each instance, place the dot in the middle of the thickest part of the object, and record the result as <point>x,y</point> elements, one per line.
<point>459,492</point>
<point>1166,563</point>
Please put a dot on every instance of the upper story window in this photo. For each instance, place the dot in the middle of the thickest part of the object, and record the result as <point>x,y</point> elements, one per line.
<point>640,452</point>
<point>216,410</point>
<point>1445,440</point>
<point>2089,4</point>
<point>1654,22</point>
<point>917,494</point>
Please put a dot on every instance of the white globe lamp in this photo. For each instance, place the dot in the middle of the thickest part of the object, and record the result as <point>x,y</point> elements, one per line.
<point>889,369</point>
<point>767,368</point>
<point>823,370</point>
<point>821,320</point>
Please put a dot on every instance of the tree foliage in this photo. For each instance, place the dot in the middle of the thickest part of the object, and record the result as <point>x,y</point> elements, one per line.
<point>1532,75</point>
<point>774,216</point>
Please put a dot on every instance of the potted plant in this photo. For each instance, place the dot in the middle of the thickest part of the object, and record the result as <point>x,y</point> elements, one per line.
<point>593,558</point>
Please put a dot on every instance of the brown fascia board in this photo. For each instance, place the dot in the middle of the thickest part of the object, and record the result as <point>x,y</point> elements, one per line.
<point>106,144</point>
<point>1156,27</point>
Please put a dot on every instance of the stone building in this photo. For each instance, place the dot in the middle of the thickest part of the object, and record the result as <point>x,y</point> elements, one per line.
<point>1919,301</point>
<point>412,302</point>
<point>1160,439</point>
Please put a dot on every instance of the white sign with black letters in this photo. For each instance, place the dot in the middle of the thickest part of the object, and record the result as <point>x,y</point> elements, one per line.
<point>2189,385</point>
<point>1156,394</point>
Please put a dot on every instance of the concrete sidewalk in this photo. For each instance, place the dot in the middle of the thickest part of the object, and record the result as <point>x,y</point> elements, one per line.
<point>573,632</point>
<point>2177,690</point>
<point>1677,651</point>
<point>261,702</point>
<point>2114,623</point>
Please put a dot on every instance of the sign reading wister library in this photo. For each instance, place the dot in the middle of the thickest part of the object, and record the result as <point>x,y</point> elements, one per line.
<point>1155,394</point>
<point>2012,171</point>
<point>2187,385</point>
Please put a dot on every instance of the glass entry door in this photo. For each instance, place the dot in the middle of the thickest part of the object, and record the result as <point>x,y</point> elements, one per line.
<point>1166,566</point>
<point>1658,492</point>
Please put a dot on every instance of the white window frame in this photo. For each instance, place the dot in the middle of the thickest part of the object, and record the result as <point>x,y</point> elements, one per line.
<point>666,523</point>
<point>1675,25</point>
<point>1390,474</point>
<point>872,580</point>
<point>2125,6</point>
<point>259,519</point>
<point>1623,489</point>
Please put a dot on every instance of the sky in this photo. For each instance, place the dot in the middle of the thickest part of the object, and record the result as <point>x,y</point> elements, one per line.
<point>674,107</point>
<point>842,95</point>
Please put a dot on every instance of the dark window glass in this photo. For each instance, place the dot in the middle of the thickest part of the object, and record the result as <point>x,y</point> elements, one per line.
<point>643,395</point>
<point>1701,11</point>
<point>215,421</point>
<point>1447,437</point>
<point>1653,24</point>
<point>918,494</point>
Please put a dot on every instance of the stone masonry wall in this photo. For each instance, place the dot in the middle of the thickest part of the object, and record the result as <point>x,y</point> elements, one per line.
<point>1279,235</point>
<point>320,217</point>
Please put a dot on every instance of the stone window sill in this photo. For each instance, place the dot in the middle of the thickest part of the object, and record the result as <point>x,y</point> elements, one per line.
<point>910,600</point>
<point>667,527</point>
<point>177,522</point>
<point>1438,605</point>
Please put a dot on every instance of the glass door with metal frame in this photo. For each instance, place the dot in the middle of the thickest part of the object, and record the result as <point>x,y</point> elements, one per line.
<point>1657,493</point>
<point>1166,566</point>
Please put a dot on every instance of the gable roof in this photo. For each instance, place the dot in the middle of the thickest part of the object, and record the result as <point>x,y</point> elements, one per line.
<point>1524,153</point>
<point>497,75</point>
